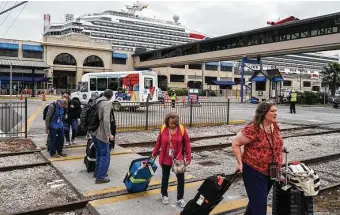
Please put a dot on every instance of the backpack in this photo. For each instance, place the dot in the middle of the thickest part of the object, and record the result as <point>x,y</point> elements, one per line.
<point>46,110</point>
<point>181,128</point>
<point>92,116</point>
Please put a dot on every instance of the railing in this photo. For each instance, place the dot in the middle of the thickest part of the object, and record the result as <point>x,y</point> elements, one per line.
<point>135,116</point>
<point>13,119</point>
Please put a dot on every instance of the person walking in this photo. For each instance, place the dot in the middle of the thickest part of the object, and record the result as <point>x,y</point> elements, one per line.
<point>102,137</point>
<point>173,143</point>
<point>293,99</point>
<point>72,117</point>
<point>262,156</point>
<point>55,126</point>
<point>173,98</point>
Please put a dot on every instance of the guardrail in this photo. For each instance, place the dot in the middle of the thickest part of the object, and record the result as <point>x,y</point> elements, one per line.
<point>136,116</point>
<point>13,119</point>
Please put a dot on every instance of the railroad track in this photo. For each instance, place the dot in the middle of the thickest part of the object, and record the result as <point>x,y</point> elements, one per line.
<point>220,146</point>
<point>82,204</point>
<point>193,139</point>
<point>45,210</point>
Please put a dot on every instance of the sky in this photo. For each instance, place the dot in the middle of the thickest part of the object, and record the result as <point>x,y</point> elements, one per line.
<point>213,18</point>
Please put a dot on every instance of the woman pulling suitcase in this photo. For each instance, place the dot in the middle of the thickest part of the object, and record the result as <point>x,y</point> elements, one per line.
<point>175,152</point>
<point>262,156</point>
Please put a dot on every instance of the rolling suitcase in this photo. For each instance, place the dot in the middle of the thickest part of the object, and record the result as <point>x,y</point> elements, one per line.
<point>288,200</point>
<point>209,195</point>
<point>139,175</point>
<point>90,156</point>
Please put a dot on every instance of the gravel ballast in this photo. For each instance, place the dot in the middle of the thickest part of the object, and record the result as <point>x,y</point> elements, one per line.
<point>33,188</point>
<point>16,145</point>
<point>149,136</point>
<point>21,159</point>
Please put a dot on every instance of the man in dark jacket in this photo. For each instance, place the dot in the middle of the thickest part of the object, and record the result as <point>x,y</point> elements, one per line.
<point>72,117</point>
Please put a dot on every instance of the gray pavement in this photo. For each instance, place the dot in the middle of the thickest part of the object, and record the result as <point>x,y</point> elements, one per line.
<point>75,172</point>
<point>149,202</point>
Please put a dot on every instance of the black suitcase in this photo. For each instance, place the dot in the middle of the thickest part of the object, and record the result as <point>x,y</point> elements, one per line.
<point>291,201</point>
<point>90,154</point>
<point>209,195</point>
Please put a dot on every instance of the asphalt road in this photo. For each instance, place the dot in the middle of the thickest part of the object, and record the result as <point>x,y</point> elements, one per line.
<point>207,114</point>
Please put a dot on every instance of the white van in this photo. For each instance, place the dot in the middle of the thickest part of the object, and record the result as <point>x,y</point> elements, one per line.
<point>130,89</point>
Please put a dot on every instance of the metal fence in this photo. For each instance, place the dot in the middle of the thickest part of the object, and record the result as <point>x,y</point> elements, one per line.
<point>133,117</point>
<point>13,119</point>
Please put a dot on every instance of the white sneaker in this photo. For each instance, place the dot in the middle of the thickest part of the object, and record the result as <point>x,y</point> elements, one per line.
<point>74,141</point>
<point>181,203</point>
<point>165,200</point>
<point>67,143</point>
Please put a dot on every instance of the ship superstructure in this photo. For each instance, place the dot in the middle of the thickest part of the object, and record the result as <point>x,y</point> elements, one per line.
<point>125,29</point>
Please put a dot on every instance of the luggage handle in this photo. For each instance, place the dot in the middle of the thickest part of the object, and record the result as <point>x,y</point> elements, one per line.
<point>233,178</point>
<point>285,150</point>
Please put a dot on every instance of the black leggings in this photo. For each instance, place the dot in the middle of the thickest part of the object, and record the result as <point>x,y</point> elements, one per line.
<point>165,182</point>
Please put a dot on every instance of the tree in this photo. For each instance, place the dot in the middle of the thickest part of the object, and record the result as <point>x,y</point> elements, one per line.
<point>330,76</point>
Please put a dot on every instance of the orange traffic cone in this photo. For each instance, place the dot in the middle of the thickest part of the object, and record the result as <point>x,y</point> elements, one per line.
<point>43,97</point>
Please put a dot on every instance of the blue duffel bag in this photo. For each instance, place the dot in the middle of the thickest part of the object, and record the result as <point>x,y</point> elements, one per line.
<point>139,175</point>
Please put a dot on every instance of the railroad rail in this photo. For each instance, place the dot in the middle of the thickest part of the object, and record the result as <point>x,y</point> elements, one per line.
<point>82,204</point>
<point>220,146</point>
<point>65,207</point>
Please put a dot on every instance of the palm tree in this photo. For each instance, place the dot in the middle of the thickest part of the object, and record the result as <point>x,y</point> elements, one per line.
<point>330,76</point>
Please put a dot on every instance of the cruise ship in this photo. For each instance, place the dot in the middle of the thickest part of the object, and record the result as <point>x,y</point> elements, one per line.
<point>125,29</point>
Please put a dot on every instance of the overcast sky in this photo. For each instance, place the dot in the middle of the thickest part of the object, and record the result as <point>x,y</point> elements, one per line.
<point>213,18</point>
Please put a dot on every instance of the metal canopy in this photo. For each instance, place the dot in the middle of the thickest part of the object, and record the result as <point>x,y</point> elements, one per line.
<point>30,64</point>
<point>312,27</point>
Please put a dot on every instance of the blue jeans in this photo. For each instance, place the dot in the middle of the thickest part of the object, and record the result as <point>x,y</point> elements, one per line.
<point>257,186</point>
<point>56,143</point>
<point>102,158</point>
<point>74,126</point>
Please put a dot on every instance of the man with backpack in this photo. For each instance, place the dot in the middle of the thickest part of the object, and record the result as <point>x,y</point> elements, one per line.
<point>55,126</point>
<point>99,125</point>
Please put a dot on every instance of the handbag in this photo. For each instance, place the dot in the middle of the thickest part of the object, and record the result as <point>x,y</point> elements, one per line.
<point>179,166</point>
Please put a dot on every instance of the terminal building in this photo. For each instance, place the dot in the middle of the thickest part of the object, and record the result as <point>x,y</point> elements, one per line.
<point>102,42</point>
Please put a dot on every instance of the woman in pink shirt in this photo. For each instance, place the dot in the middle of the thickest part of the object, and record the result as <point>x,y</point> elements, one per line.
<point>172,145</point>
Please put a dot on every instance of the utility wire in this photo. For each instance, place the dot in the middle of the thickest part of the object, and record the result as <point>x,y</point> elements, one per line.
<point>11,8</point>
<point>4,5</point>
<point>14,20</point>
<point>3,21</point>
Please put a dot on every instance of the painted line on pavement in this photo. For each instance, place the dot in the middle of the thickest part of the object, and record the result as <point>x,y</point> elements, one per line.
<point>129,196</point>
<point>33,117</point>
<point>225,207</point>
<point>79,157</point>
<point>123,188</point>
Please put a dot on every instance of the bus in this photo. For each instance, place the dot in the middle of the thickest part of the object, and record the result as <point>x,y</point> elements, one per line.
<point>130,89</point>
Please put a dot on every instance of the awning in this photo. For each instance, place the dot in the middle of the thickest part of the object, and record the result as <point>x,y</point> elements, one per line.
<point>213,64</point>
<point>259,79</point>
<point>277,79</point>
<point>34,48</point>
<point>30,64</point>
<point>228,64</point>
<point>25,78</point>
<point>119,55</point>
<point>224,83</point>
<point>11,46</point>
<point>22,70</point>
